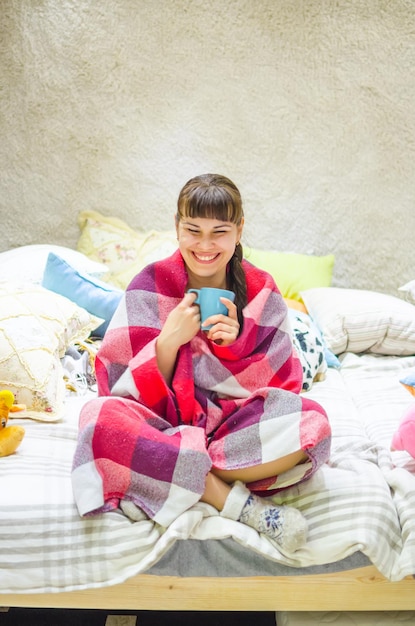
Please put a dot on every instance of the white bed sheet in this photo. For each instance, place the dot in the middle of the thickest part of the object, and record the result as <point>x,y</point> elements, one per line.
<point>358,502</point>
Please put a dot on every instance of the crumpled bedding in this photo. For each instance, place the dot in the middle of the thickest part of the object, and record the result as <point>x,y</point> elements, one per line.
<point>362,500</point>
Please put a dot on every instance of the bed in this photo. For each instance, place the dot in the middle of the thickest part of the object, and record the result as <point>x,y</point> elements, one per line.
<point>360,555</point>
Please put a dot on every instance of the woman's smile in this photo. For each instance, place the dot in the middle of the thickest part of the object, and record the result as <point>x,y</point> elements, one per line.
<point>205,258</point>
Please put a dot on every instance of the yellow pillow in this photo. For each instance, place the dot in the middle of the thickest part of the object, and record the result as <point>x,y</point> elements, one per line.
<point>292,272</point>
<point>123,250</point>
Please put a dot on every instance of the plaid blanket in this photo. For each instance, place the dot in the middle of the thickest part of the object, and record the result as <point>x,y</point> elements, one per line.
<point>228,407</point>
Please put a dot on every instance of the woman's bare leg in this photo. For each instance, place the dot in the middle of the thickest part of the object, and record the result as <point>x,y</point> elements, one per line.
<point>258,472</point>
<point>217,481</point>
<point>284,524</point>
<point>216,491</point>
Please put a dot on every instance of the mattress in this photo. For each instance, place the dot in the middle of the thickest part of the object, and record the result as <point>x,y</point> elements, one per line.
<point>360,507</point>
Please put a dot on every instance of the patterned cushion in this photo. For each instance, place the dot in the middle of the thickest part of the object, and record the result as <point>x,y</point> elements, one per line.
<point>36,327</point>
<point>123,250</point>
<point>309,347</point>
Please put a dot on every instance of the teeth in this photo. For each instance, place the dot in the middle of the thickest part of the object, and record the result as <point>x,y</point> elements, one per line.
<point>205,257</point>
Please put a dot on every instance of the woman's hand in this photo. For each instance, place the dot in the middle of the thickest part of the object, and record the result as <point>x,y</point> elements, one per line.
<point>225,328</point>
<point>181,325</point>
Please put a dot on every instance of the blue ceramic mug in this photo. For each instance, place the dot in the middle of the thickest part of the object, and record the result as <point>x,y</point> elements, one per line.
<point>209,303</point>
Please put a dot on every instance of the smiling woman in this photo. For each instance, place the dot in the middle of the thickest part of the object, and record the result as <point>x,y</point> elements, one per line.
<point>209,223</point>
<point>188,415</point>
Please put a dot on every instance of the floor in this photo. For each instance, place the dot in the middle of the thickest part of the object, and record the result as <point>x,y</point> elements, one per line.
<point>55,617</point>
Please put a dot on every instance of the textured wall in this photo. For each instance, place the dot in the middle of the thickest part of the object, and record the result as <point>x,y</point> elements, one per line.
<point>307,104</point>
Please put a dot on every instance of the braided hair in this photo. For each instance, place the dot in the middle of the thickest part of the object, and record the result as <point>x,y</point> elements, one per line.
<point>214,196</point>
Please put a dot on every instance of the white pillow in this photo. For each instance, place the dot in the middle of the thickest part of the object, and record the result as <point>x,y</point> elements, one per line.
<point>357,320</point>
<point>36,328</point>
<point>409,289</point>
<point>27,263</point>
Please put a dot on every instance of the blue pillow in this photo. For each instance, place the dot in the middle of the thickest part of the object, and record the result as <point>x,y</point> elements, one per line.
<point>97,297</point>
<point>409,382</point>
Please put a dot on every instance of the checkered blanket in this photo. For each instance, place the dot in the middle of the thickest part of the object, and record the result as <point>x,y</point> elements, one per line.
<point>230,407</point>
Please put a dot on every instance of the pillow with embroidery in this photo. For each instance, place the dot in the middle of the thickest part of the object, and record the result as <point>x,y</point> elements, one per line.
<point>125,251</point>
<point>36,328</point>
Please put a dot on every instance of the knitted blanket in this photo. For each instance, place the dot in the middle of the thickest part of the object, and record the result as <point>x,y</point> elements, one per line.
<point>228,407</point>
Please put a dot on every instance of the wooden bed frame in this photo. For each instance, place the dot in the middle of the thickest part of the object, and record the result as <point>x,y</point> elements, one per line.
<point>364,589</point>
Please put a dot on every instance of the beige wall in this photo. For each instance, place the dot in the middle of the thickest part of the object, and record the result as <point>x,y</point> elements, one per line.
<point>307,104</point>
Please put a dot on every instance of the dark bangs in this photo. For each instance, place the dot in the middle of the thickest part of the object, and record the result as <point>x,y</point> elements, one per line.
<point>213,197</point>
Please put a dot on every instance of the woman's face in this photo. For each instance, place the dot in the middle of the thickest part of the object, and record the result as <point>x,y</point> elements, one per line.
<point>207,245</point>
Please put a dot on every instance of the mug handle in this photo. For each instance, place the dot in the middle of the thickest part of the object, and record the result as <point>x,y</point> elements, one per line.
<point>197,292</point>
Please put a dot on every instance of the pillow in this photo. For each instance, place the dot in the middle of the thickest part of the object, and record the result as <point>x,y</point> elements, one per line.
<point>298,317</point>
<point>409,289</point>
<point>408,382</point>
<point>27,263</point>
<point>298,308</point>
<point>309,347</point>
<point>295,304</point>
<point>357,320</point>
<point>36,327</point>
<point>293,272</point>
<point>123,250</point>
<point>95,296</point>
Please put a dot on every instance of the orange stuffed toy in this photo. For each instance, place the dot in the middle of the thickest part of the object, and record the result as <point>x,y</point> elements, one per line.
<point>10,436</point>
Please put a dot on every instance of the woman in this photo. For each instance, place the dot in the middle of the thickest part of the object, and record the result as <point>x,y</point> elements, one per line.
<point>187,415</point>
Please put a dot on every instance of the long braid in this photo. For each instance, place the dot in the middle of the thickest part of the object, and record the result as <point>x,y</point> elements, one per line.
<point>237,281</point>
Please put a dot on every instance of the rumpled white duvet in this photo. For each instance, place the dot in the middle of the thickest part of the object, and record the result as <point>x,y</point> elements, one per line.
<point>363,500</point>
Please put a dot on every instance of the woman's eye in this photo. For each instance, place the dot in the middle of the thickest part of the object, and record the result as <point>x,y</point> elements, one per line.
<point>197,233</point>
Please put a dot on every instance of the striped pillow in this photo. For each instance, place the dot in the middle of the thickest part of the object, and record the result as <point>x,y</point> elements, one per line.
<point>357,320</point>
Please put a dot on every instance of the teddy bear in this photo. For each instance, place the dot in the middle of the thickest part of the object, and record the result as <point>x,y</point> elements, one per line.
<point>10,436</point>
